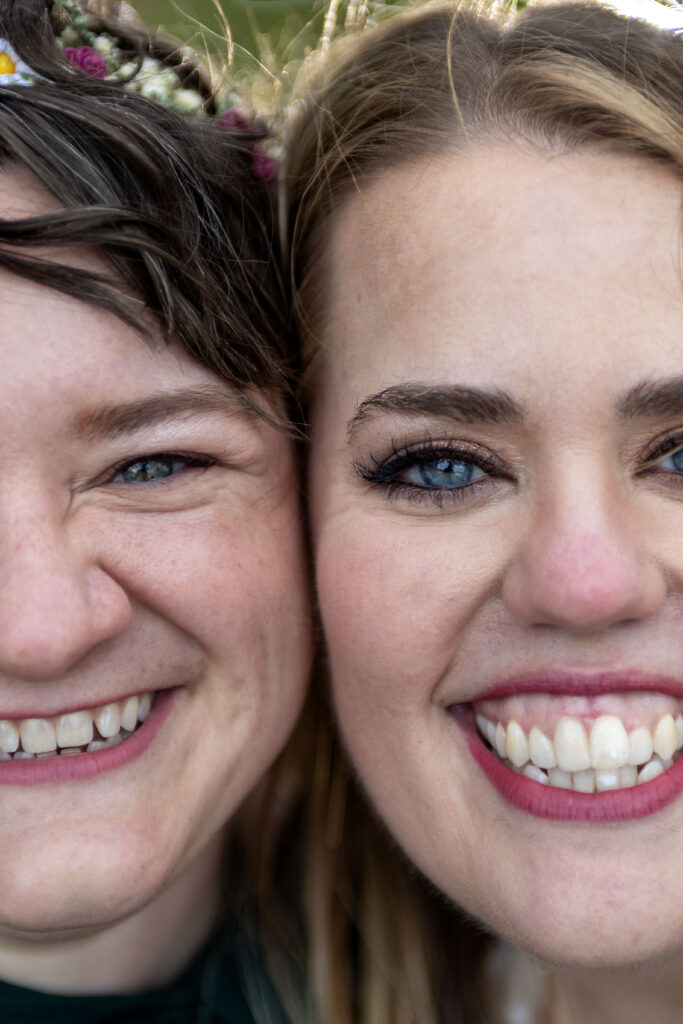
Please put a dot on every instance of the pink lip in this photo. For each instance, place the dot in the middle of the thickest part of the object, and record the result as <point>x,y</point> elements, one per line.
<point>582,684</point>
<point>564,804</point>
<point>86,705</point>
<point>85,766</point>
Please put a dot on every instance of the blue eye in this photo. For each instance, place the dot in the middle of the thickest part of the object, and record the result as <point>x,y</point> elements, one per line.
<point>672,463</point>
<point>435,473</point>
<point>442,473</point>
<point>153,468</point>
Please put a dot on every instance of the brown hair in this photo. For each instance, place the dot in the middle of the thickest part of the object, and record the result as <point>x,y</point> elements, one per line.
<point>170,201</point>
<point>559,75</point>
<point>383,948</point>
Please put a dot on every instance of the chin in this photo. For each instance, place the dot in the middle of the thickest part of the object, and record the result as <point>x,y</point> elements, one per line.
<point>607,953</point>
<point>62,889</point>
<point>606,936</point>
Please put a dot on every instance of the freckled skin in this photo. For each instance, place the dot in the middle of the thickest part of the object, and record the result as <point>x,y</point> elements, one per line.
<point>108,588</point>
<point>557,280</point>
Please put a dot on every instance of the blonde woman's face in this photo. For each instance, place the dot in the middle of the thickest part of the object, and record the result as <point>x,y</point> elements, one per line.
<point>497,496</point>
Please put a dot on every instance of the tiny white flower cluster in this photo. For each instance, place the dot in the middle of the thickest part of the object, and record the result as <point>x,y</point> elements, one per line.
<point>159,83</point>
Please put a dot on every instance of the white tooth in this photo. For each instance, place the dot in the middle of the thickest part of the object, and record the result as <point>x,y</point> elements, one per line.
<point>516,745</point>
<point>562,780</point>
<point>96,745</point>
<point>651,770</point>
<point>605,780</point>
<point>69,751</point>
<point>667,762</point>
<point>9,736</point>
<point>532,772</point>
<point>609,744</point>
<point>129,714</point>
<point>628,776</point>
<point>108,720</point>
<point>541,750</point>
<point>52,753</point>
<point>584,782</point>
<point>500,740</point>
<point>4,756</point>
<point>23,755</point>
<point>145,705</point>
<point>571,745</point>
<point>75,729</point>
<point>679,731</point>
<point>665,738</point>
<point>491,733</point>
<point>114,741</point>
<point>640,746</point>
<point>37,736</point>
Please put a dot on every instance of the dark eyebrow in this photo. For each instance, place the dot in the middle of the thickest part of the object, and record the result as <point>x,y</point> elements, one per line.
<point>463,404</point>
<point>110,421</point>
<point>653,398</point>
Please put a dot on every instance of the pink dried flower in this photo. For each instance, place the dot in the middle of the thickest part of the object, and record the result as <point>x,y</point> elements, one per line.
<point>87,60</point>
<point>263,166</point>
<point>233,121</point>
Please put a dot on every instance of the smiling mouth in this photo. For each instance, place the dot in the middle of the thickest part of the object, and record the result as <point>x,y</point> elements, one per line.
<point>594,756</point>
<point>79,732</point>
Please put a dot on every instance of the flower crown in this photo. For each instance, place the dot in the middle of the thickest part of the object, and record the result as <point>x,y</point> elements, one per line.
<point>178,85</point>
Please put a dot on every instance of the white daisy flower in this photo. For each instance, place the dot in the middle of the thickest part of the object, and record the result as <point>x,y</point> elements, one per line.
<point>13,70</point>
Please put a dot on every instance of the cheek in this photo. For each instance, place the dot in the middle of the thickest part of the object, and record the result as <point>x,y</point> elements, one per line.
<point>396,603</point>
<point>221,578</point>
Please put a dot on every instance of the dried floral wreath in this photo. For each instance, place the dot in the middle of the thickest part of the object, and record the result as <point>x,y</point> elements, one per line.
<point>172,78</point>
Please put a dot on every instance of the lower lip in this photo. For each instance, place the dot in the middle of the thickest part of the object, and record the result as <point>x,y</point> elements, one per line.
<point>85,766</point>
<point>545,801</point>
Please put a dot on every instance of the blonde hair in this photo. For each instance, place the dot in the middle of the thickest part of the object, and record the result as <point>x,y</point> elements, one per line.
<point>440,76</point>
<point>383,948</point>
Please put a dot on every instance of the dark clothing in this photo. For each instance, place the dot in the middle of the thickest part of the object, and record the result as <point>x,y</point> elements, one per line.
<point>210,991</point>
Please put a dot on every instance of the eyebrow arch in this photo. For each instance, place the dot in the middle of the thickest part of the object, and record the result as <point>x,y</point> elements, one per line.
<point>653,398</point>
<point>456,402</point>
<point>112,421</point>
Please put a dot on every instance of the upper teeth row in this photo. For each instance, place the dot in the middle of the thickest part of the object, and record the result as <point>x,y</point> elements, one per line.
<point>608,747</point>
<point>77,729</point>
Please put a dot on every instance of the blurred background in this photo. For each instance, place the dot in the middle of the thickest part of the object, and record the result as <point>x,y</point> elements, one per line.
<point>249,20</point>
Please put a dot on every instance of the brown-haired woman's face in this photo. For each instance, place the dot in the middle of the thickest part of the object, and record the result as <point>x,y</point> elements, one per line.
<point>497,498</point>
<point>155,637</point>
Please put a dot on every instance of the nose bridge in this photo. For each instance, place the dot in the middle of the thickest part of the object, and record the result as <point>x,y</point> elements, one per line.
<point>55,601</point>
<point>584,564</point>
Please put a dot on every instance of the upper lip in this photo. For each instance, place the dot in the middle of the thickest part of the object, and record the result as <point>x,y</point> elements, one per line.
<point>581,684</point>
<point>86,704</point>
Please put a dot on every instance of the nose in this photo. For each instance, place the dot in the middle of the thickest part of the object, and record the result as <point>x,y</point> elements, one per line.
<point>56,602</point>
<point>585,564</point>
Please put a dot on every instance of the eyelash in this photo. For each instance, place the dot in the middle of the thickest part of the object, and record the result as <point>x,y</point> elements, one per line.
<point>189,460</point>
<point>382,473</point>
<point>668,446</point>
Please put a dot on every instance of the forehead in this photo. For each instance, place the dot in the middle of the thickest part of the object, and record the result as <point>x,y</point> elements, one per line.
<point>504,257</point>
<point>60,355</point>
<point>41,327</point>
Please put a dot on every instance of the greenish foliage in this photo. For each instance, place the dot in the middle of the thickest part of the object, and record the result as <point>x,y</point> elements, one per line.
<point>249,20</point>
